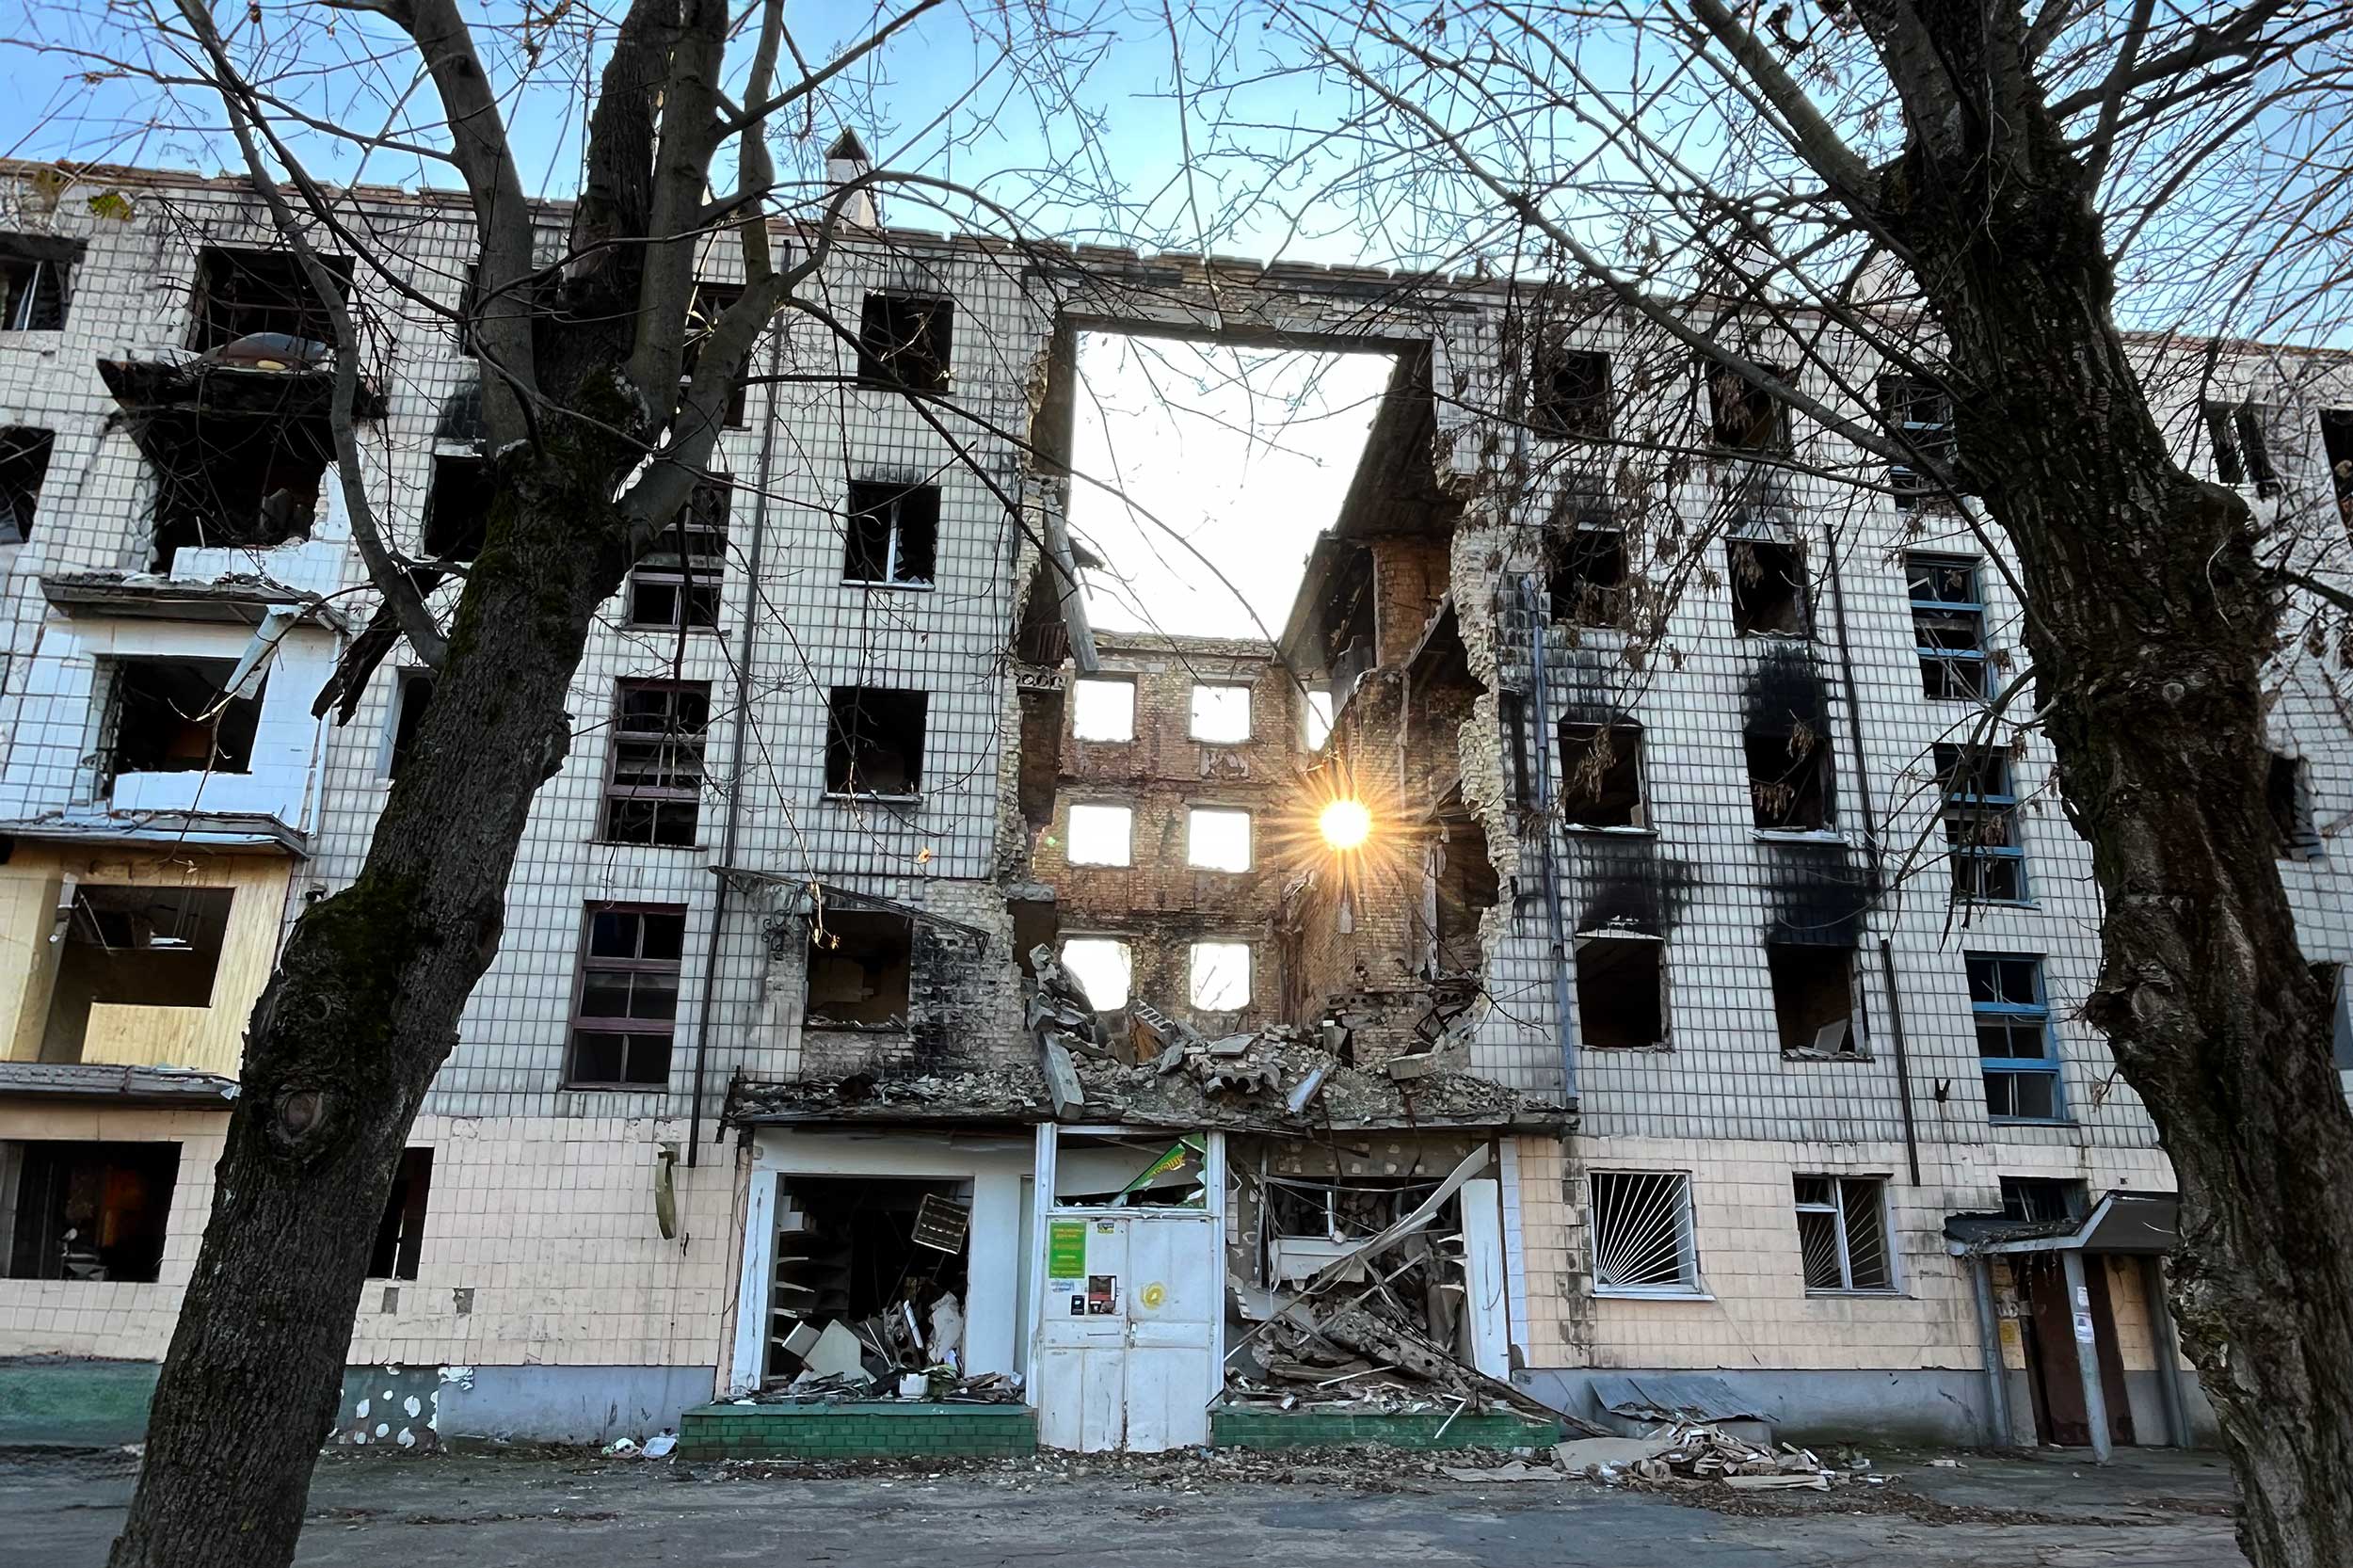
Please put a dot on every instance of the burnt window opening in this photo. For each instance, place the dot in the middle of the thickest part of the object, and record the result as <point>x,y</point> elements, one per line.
<point>1789,777</point>
<point>23,464</point>
<point>675,586</point>
<point>860,966</point>
<point>1744,417</point>
<point>1459,886</point>
<point>654,789</point>
<point>170,716</point>
<point>243,294</point>
<point>88,1210</point>
<point>1921,412</point>
<point>1621,992</point>
<point>893,535</point>
<point>875,742</point>
<point>1813,999</point>
<point>400,1233</point>
<point>2043,1198</point>
<point>1585,576</point>
<point>2336,444</point>
<point>627,1011</point>
<point>2287,793</point>
<point>1768,598</point>
<point>1511,714</point>
<point>409,701</point>
<point>2242,454</point>
<point>457,507</point>
<point>903,342</point>
<point>1981,823</point>
<point>711,302</point>
<point>869,1279</point>
<point>134,946</point>
<point>1570,397</point>
<point>1948,627</point>
<point>35,272</point>
<point>234,478</point>
<point>1601,775</point>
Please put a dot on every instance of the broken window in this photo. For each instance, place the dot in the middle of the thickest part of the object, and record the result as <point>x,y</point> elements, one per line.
<point>903,342</point>
<point>2287,793</point>
<point>23,464</point>
<point>1103,968</point>
<point>244,293</point>
<point>869,1282</point>
<point>1102,834</point>
<point>1219,973</point>
<point>1221,713</point>
<point>875,742</point>
<point>2242,456</point>
<point>1921,412</point>
<point>1601,775</point>
<point>710,302</point>
<point>36,273</point>
<point>1842,1233</point>
<point>1642,1233</point>
<point>2336,444</point>
<point>400,1233</point>
<point>2042,1198</point>
<point>1981,823</point>
<point>171,715</point>
<point>859,965</point>
<point>409,700</point>
<point>90,1210</point>
<point>1621,992</point>
<point>1767,588</point>
<point>1813,998</point>
<point>655,786</point>
<point>458,508</point>
<point>675,584</point>
<point>2014,1046</point>
<point>1217,839</point>
<point>1745,417</point>
<point>1947,626</point>
<point>1585,573</point>
<point>233,480</point>
<point>1790,776</point>
<point>628,989</point>
<point>1571,394</point>
<point>893,535</point>
<point>133,946</point>
<point>1102,709</point>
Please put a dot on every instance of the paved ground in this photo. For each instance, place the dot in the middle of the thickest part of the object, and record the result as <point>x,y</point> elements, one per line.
<point>2153,1510</point>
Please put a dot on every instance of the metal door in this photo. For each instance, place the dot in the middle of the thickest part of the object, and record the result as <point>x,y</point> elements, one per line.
<point>1127,1345</point>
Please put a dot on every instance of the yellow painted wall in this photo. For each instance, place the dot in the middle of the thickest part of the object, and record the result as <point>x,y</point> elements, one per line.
<point>209,1038</point>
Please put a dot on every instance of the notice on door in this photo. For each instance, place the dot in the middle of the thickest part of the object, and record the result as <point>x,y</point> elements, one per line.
<point>1065,1250</point>
<point>1102,1295</point>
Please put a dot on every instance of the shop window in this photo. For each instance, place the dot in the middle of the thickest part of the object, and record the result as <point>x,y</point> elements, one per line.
<point>2017,1055</point>
<point>1643,1234</point>
<point>893,535</point>
<point>875,742</point>
<point>622,1025</point>
<point>171,715</point>
<point>1219,714</point>
<point>1104,968</point>
<point>1571,394</point>
<point>1601,775</point>
<point>1744,417</point>
<point>1948,627</point>
<point>1789,777</point>
<point>1813,998</point>
<point>860,966</point>
<point>870,1281</point>
<point>1217,839</point>
<point>400,1233</point>
<point>675,584</point>
<point>1102,834</point>
<point>1767,580</point>
<point>903,343</point>
<point>89,1212</point>
<point>1621,992</point>
<point>23,464</point>
<point>1102,709</point>
<point>654,784</point>
<point>1842,1233</point>
<point>1218,976</point>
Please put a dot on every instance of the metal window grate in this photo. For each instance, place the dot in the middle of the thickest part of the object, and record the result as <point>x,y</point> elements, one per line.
<point>1643,1240</point>
<point>1842,1233</point>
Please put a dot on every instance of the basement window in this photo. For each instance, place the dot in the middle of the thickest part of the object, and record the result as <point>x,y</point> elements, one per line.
<point>1789,778</point>
<point>1102,709</point>
<point>170,716</point>
<point>1585,572</point>
<point>1217,839</point>
<point>1813,999</point>
<point>1601,775</point>
<point>2287,793</point>
<point>1621,992</point>
<point>1221,713</point>
<point>240,294</point>
<point>1744,417</point>
<point>1767,588</point>
<point>456,509</point>
<point>400,1233</point>
<point>87,1210</point>
<point>1571,395</point>
<point>1218,976</point>
<point>409,701</point>
<point>903,343</point>
<point>1102,834</point>
<point>892,539</point>
<point>860,962</point>
<point>23,464</point>
<point>875,742</point>
<point>1842,1234</point>
<point>628,1009</point>
<point>1104,968</point>
<point>2242,454</point>
<point>675,586</point>
<point>35,272</point>
<point>654,790</point>
<point>1642,1237</point>
<point>132,946</point>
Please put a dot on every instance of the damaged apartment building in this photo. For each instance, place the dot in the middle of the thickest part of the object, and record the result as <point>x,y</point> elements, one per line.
<point>925,1020</point>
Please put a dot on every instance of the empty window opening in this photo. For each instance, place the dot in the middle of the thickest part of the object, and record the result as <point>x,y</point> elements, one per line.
<point>1571,394</point>
<point>1921,412</point>
<point>2287,791</point>
<point>23,464</point>
<point>1102,709</point>
<point>1219,973</point>
<point>2242,456</point>
<point>89,1212</point>
<point>1745,417</point>
<point>1621,992</point>
<point>1221,713</point>
<point>1459,886</point>
<point>36,273</point>
<point>414,695</point>
<point>400,1233</point>
<point>234,480</point>
<point>170,716</point>
<point>2336,444</point>
<point>2043,1198</point>
<point>1511,714</point>
<point>2014,1021</point>
<point>869,1282</point>
<point>1842,1233</point>
<point>1315,719</point>
<point>655,786</point>
<point>244,293</point>
<point>1217,839</point>
<point>893,535</point>
<point>675,586</point>
<point>1601,775</point>
<point>1981,823</point>
<point>1947,626</point>
<point>875,742</point>
<point>1767,588</point>
<point>628,1009</point>
<point>1642,1233</point>
<point>132,946</point>
<point>711,302</point>
<point>1104,968</point>
<point>1585,572</point>
<point>860,962</point>
<point>903,342</point>
<point>1102,834</point>
<point>1789,777</point>
<point>458,508</point>
<point>1813,999</point>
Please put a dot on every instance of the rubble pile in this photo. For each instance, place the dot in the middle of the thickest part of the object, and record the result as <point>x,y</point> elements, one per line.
<point>1697,1450</point>
<point>886,1355</point>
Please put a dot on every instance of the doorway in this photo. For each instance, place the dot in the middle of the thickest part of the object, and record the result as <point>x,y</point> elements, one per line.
<point>2050,1335</point>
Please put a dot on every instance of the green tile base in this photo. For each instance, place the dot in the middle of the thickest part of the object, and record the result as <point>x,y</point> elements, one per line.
<point>1244,1428</point>
<point>875,1429</point>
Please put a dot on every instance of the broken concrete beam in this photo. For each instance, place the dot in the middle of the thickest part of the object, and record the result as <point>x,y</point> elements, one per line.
<point>1231,1045</point>
<point>1304,1092</point>
<point>1062,1077</point>
<point>1405,1068</point>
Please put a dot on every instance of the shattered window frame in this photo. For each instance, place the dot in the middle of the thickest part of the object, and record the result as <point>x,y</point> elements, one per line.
<point>1793,970</point>
<point>1981,829</point>
<point>1212,722</point>
<point>412,694</point>
<point>1949,633</point>
<point>38,289</point>
<point>629,950</point>
<point>1587,570</point>
<point>2288,799</point>
<point>47,1171</point>
<point>1791,790</point>
<point>2017,1052</point>
<point>907,341</point>
<point>25,452</point>
<point>2240,446</point>
<point>688,564</point>
<point>136,686</point>
<point>861,722</point>
<point>1743,418</point>
<point>711,301</point>
<point>891,535</point>
<point>1754,564</point>
<point>1620,779</point>
<point>400,1233</point>
<point>1843,1235</point>
<point>1643,1235</point>
<point>1921,411</point>
<point>226,303</point>
<point>655,763</point>
<point>1611,950</point>
<point>1570,395</point>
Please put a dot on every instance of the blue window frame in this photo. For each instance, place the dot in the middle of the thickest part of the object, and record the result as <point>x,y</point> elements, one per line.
<point>1923,412</point>
<point>1981,824</point>
<point>1948,627</point>
<point>2015,1050</point>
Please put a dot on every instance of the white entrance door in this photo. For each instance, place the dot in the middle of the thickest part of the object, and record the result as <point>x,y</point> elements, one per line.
<point>1127,1340</point>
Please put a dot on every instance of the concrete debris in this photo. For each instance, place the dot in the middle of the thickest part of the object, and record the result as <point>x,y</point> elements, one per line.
<point>1583,1456</point>
<point>1700,1451</point>
<point>1517,1470</point>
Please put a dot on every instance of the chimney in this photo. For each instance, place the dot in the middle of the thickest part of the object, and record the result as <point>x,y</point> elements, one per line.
<point>846,160</point>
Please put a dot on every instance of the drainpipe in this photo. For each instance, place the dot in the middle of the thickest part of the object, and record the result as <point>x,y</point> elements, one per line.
<point>743,661</point>
<point>1549,866</point>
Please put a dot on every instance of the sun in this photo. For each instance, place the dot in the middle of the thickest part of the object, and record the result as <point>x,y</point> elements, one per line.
<point>1345,824</point>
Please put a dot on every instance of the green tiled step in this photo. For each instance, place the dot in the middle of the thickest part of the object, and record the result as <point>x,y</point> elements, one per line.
<point>877,1429</point>
<point>1240,1428</point>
